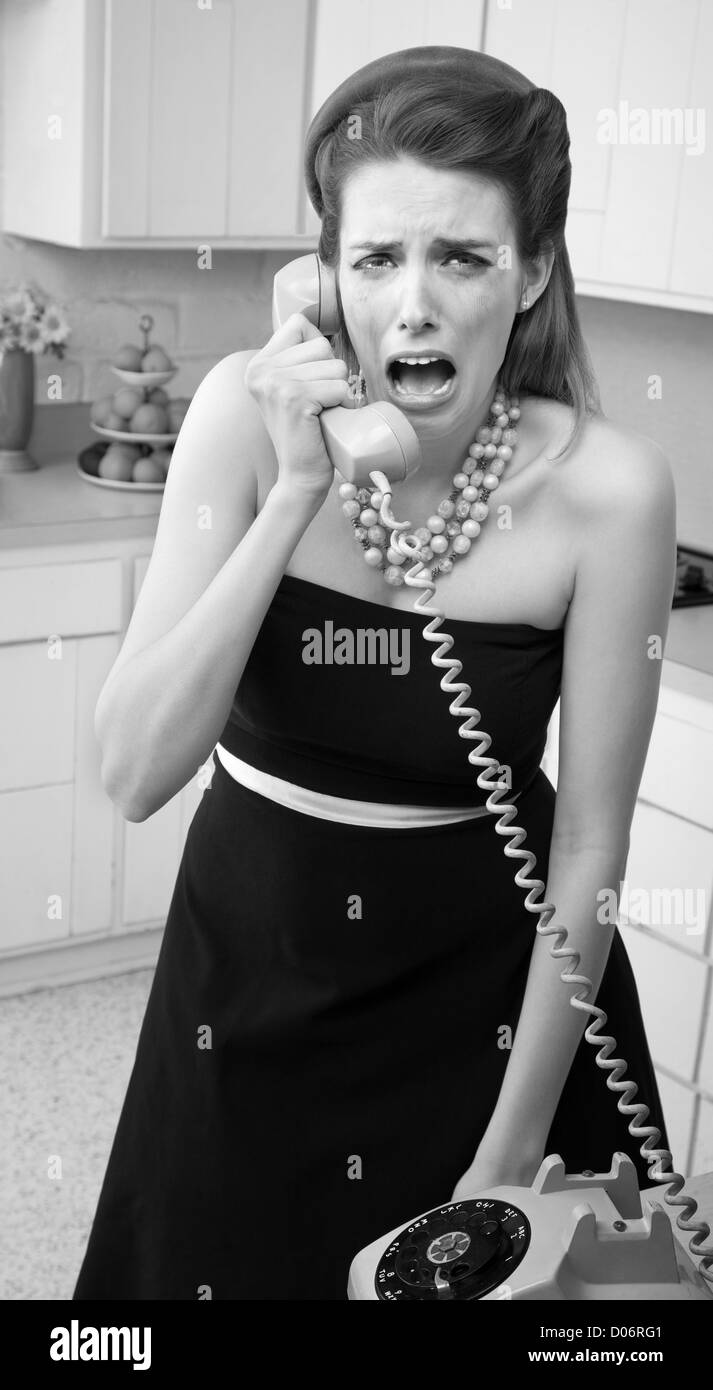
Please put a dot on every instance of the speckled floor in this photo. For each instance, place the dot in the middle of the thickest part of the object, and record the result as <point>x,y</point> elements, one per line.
<point>65,1059</point>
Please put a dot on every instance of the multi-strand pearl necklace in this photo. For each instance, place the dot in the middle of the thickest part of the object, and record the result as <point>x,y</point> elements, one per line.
<point>458,518</point>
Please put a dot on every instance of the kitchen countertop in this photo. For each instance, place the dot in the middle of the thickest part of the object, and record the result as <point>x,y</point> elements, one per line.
<point>55,506</point>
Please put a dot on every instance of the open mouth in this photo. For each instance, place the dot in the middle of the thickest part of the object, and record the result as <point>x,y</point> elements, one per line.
<point>421,376</point>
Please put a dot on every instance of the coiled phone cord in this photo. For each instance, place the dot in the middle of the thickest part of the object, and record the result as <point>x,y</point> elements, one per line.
<point>545,910</point>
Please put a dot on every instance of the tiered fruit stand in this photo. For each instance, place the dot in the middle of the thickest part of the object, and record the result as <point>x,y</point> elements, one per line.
<point>148,465</point>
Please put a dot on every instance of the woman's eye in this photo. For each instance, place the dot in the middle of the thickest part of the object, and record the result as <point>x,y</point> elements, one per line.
<point>372,262</point>
<point>466,259</point>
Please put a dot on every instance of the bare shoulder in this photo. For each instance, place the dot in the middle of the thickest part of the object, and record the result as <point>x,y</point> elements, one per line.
<point>613,467</point>
<point>224,412</point>
<point>228,375</point>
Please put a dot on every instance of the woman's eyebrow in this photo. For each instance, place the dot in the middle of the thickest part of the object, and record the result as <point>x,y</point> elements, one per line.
<point>439,243</point>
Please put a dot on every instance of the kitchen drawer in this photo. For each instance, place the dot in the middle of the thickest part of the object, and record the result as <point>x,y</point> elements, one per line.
<point>35,865</point>
<point>37,703</point>
<point>678,775</point>
<point>669,876</point>
<point>69,600</point>
<point>671,988</point>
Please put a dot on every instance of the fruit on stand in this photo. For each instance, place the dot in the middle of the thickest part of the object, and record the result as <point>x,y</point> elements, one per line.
<point>147,470</point>
<point>118,462</point>
<point>139,413</point>
<point>127,401</point>
<point>101,410</point>
<point>149,419</point>
<point>128,358</point>
<point>156,360</point>
<point>162,458</point>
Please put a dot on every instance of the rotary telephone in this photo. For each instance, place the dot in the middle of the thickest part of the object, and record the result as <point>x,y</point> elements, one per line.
<point>573,1237</point>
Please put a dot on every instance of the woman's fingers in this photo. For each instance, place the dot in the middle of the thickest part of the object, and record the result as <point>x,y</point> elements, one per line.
<point>315,371</point>
<point>323,394</point>
<point>314,350</point>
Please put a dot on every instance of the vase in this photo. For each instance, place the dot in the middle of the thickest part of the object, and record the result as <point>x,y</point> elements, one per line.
<point>17,403</point>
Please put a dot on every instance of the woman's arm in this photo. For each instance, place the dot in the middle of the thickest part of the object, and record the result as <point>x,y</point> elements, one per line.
<point>215,565</point>
<point>624,515</point>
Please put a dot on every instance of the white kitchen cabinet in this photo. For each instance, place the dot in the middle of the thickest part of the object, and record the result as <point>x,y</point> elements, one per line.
<point>155,122</point>
<point>56,826</point>
<point>183,124</point>
<point>638,232</point>
<point>36,866</point>
<point>693,232</point>
<point>640,222</point>
<point>83,891</point>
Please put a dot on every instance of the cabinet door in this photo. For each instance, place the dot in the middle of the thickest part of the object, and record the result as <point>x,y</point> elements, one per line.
<point>655,77</point>
<point>51,120</point>
<point>268,70</point>
<point>346,37</point>
<point>35,865</point>
<point>167,103</point>
<point>57,642</point>
<point>692,269</point>
<point>56,823</point>
<point>204,113</point>
<point>669,877</point>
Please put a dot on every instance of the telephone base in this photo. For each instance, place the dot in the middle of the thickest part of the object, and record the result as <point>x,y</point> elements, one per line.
<point>568,1237</point>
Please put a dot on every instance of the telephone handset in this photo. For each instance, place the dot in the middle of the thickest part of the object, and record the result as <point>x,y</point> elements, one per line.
<point>466,1249</point>
<point>376,436</point>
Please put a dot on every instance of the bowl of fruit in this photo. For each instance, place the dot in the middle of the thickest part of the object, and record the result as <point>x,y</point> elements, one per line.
<point>138,421</point>
<point>125,466</point>
<point>141,367</point>
<point>129,416</point>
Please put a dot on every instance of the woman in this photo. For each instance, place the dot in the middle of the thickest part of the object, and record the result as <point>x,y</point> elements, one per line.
<point>352,1016</point>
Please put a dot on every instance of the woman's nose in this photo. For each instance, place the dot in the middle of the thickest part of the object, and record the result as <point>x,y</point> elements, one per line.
<point>416,307</point>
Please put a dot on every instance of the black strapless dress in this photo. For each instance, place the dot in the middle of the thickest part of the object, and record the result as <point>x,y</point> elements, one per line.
<point>353,1060</point>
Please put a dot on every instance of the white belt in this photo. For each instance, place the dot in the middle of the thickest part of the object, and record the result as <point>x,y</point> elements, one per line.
<point>341,808</point>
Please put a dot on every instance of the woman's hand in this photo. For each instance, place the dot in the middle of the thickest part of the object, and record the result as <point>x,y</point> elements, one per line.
<point>293,379</point>
<point>494,1168</point>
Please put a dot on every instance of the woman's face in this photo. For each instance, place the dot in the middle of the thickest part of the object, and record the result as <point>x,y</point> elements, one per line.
<point>420,277</point>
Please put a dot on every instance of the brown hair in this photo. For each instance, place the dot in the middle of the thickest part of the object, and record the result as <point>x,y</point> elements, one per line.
<point>517,135</point>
